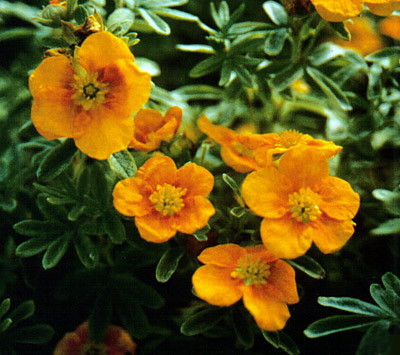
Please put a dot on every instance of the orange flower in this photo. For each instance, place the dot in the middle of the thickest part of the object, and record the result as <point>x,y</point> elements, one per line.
<point>390,26</point>
<point>266,283</point>
<point>301,203</point>
<point>150,128</point>
<point>92,98</point>
<point>340,10</point>
<point>247,152</point>
<point>165,200</point>
<point>116,342</point>
<point>364,37</point>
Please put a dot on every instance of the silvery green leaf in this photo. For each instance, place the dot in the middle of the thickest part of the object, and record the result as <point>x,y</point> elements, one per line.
<point>155,22</point>
<point>276,13</point>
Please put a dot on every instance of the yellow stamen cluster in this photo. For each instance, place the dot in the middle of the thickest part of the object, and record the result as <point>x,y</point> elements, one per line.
<point>89,92</point>
<point>93,349</point>
<point>251,271</point>
<point>305,205</point>
<point>289,138</point>
<point>242,150</point>
<point>167,199</point>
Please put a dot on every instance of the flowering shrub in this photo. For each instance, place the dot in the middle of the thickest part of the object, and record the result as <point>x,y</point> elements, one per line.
<point>182,168</point>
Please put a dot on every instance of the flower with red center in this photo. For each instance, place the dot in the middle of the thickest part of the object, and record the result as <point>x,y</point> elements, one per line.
<point>165,200</point>
<point>301,204</point>
<point>340,10</point>
<point>116,342</point>
<point>265,283</point>
<point>90,98</point>
<point>151,128</point>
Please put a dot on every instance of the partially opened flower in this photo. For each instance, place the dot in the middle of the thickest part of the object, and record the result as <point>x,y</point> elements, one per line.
<point>165,200</point>
<point>340,10</point>
<point>116,342</point>
<point>301,204</point>
<point>390,27</point>
<point>151,128</point>
<point>364,37</point>
<point>265,283</point>
<point>91,98</point>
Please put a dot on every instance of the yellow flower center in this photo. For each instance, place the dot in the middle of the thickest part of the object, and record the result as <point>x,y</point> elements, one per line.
<point>89,92</point>
<point>251,271</point>
<point>305,205</point>
<point>93,349</point>
<point>289,138</point>
<point>167,199</point>
<point>242,150</point>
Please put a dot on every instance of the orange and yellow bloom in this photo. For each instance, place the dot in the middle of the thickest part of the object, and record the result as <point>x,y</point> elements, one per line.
<point>151,128</point>
<point>247,152</point>
<point>265,283</point>
<point>165,200</point>
<point>116,342</point>
<point>301,204</point>
<point>340,10</point>
<point>90,98</point>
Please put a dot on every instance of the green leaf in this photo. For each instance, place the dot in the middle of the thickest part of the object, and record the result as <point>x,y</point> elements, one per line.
<point>386,299</point>
<point>203,320</point>
<point>120,21</point>
<point>86,250</point>
<point>114,227</point>
<point>376,340</point>
<point>160,3</point>
<point>100,316</point>
<point>32,247</point>
<point>275,41</point>
<point>175,14</point>
<point>287,77</point>
<point>34,228</point>
<point>206,66</point>
<point>58,213</point>
<point>4,306</point>
<point>35,334</point>
<point>168,264</point>
<point>341,30</point>
<point>23,311</point>
<point>326,52</point>
<point>391,226</point>
<point>374,89</point>
<point>123,164</point>
<point>330,88</point>
<point>75,212</point>
<point>155,22</point>
<point>244,75</point>
<point>335,324</point>
<point>390,281</point>
<point>100,185</point>
<point>242,327</point>
<point>154,70</point>
<point>309,266</point>
<point>5,324</point>
<point>197,48</point>
<point>230,182</point>
<point>201,234</point>
<point>276,12</point>
<point>382,54</point>
<point>354,305</point>
<point>80,14</point>
<point>198,92</point>
<point>55,252</point>
<point>287,344</point>
<point>271,337</point>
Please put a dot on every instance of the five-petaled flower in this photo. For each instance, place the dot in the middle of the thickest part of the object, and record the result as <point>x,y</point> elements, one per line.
<point>247,152</point>
<point>266,283</point>
<point>301,203</point>
<point>116,342</point>
<point>165,200</point>
<point>151,128</point>
<point>90,98</point>
<point>340,10</point>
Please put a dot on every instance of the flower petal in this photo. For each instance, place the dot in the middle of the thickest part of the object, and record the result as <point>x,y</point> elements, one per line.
<point>283,279</point>
<point>238,162</point>
<point>224,255</point>
<point>390,26</point>
<point>330,235</point>
<point>131,197</point>
<point>194,215</point>
<point>155,228</point>
<point>146,121</point>
<point>305,167</point>
<point>53,72</point>
<point>110,47</point>
<point>285,237</point>
<point>197,180</point>
<point>118,340</point>
<point>382,7</point>
<point>53,113</point>
<point>157,171</point>
<point>222,135</point>
<point>338,10</point>
<point>265,191</point>
<point>269,313</point>
<point>339,201</point>
<point>215,285</point>
<point>69,344</point>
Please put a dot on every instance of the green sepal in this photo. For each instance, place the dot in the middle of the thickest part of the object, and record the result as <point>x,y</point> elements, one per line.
<point>35,334</point>
<point>201,234</point>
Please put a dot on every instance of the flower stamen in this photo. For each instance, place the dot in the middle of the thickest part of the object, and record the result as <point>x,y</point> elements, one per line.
<point>251,271</point>
<point>304,205</point>
<point>167,199</point>
<point>289,139</point>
